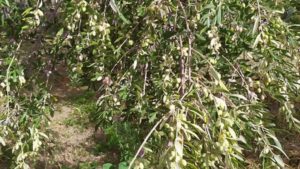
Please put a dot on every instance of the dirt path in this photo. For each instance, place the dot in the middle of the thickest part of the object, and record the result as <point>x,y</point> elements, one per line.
<point>74,144</point>
<point>70,146</point>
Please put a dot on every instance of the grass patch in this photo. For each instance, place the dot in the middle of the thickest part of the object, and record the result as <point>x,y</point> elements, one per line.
<point>84,104</point>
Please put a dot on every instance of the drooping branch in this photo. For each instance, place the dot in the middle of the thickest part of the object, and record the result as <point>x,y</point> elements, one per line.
<point>189,58</point>
<point>181,69</point>
<point>145,78</point>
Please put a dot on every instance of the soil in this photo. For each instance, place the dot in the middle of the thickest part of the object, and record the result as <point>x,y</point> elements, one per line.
<point>291,146</point>
<point>70,146</point>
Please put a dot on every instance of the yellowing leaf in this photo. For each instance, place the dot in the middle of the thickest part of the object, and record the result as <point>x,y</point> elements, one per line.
<point>258,38</point>
<point>279,161</point>
<point>216,75</point>
<point>223,87</point>
<point>220,103</point>
<point>2,141</point>
<point>179,147</point>
<point>232,133</point>
<point>255,25</point>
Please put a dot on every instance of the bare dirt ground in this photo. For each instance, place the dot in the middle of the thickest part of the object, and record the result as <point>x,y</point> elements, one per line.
<point>69,145</point>
<point>291,145</point>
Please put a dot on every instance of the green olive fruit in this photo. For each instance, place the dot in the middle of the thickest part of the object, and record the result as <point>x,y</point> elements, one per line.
<point>219,75</point>
<point>282,109</point>
<point>249,80</point>
<point>130,42</point>
<point>257,83</point>
<point>205,92</point>
<point>77,16</point>
<point>198,16</point>
<point>276,25</point>
<point>151,8</point>
<point>141,166</point>
<point>220,112</point>
<point>95,17</point>
<point>259,90</point>
<point>183,162</point>
<point>271,37</point>
<point>188,138</point>
<point>211,97</point>
<point>171,135</point>
<point>284,88</point>
<point>173,153</point>
<point>165,19</point>
<point>216,82</point>
<point>145,44</point>
<point>268,79</point>
<point>251,84</point>
<point>212,61</point>
<point>167,125</point>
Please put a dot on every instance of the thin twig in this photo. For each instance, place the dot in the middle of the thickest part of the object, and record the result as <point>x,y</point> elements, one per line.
<point>7,75</point>
<point>125,54</point>
<point>186,93</point>
<point>181,69</point>
<point>189,58</point>
<point>258,7</point>
<point>145,141</point>
<point>238,71</point>
<point>130,50</point>
<point>145,78</point>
